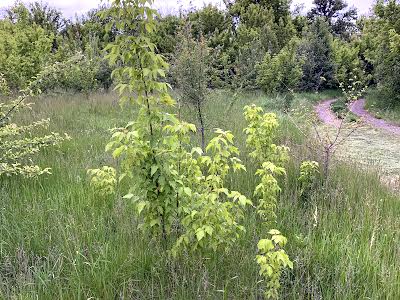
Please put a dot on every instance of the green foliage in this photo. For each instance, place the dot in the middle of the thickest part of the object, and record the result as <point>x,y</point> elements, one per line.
<point>212,219</point>
<point>262,27</point>
<point>190,69</point>
<point>35,37</point>
<point>317,52</point>
<point>340,108</point>
<point>281,72</point>
<point>178,193</point>
<point>4,89</point>
<point>103,180</point>
<point>354,89</point>
<point>260,131</point>
<point>382,36</point>
<point>340,19</point>
<point>25,49</point>
<point>39,14</point>
<point>272,260</point>
<point>165,39</point>
<point>348,63</point>
<point>76,74</point>
<point>209,22</point>
<point>309,171</point>
<point>267,191</point>
<point>18,143</point>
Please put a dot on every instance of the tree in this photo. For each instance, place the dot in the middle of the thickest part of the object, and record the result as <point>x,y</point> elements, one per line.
<point>25,49</point>
<point>260,131</point>
<point>317,52</point>
<point>347,61</point>
<point>47,17</point>
<point>381,35</point>
<point>165,39</point>
<point>38,13</point>
<point>280,8</point>
<point>207,21</point>
<point>178,192</point>
<point>282,72</point>
<point>258,27</point>
<point>190,68</point>
<point>340,20</point>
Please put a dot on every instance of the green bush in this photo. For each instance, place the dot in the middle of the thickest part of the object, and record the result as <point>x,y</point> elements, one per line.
<point>281,72</point>
<point>24,49</point>
<point>339,107</point>
<point>382,36</point>
<point>317,52</point>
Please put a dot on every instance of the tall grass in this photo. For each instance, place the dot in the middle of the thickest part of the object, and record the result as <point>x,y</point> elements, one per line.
<point>382,108</point>
<point>58,240</point>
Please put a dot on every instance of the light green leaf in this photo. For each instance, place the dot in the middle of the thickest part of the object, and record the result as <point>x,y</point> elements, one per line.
<point>200,234</point>
<point>154,169</point>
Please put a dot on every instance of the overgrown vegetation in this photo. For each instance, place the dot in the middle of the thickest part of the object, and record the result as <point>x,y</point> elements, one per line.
<point>261,208</point>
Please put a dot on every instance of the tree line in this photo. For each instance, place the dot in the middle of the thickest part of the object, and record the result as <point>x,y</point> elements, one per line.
<point>248,45</point>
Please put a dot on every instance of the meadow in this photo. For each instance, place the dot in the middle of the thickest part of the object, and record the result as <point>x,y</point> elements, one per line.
<point>61,240</point>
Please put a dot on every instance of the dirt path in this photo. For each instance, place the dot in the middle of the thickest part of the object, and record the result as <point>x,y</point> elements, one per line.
<point>326,115</point>
<point>375,144</point>
<point>358,108</point>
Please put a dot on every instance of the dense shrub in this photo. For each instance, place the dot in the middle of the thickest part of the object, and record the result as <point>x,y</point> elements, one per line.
<point>348,63</point>
<point>281,72</point>
<point>317,52</point>
<point>77,74</point>
<point>382,35</point>
<point>25,49</point>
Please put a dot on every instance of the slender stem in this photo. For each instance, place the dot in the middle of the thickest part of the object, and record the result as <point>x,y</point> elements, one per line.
<point>146,96</point>
<point>203,143</point>
<point>2,119</point>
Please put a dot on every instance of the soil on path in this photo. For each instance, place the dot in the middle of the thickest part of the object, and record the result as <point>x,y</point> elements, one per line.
<point>376,143</point>
<point>326,115</point>
<point>358,108</point>
<point>323,109</point>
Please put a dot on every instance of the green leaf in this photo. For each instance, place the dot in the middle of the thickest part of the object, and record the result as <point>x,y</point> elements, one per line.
<point>188,191</point>
<point>154,222</point>
<point>140,206</point>
<point>154,169</point>
<point>117,152</point>
<point>200,234</point>
<point>243,200</point>
<point>274,232</point>
<point>265,245</point>
<point>208,229</point>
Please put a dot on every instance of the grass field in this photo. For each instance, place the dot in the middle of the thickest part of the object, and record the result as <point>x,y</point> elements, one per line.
<point>61,241</point>
<point>381,109</point>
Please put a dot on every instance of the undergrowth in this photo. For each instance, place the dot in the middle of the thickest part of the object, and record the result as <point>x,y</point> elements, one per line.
<point>59,240</point>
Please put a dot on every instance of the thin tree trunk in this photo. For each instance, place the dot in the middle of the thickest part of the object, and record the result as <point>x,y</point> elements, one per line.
<point>327,161</point>
<point>200,116</point>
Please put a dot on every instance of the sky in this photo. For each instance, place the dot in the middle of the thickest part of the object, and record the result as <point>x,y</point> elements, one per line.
<point>71,7</point>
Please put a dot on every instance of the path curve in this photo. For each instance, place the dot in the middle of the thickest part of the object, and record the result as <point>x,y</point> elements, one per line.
<point>325,114</point>
<point>323,109</point>
<point>358,108</point>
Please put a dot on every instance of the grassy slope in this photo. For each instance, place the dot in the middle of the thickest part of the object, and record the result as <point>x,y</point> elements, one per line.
<point>380,110</point>
<point>59,240</point>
